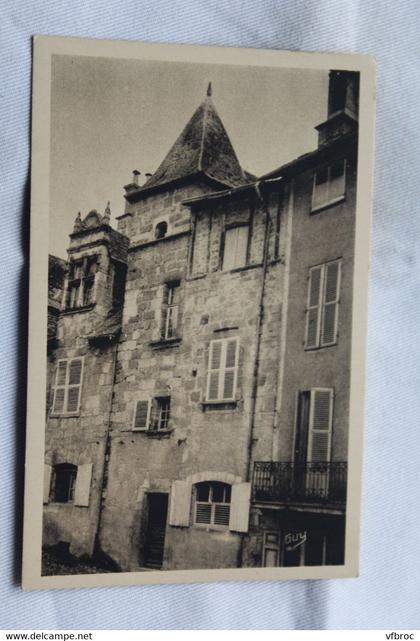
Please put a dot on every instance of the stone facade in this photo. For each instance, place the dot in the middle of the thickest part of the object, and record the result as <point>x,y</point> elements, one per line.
<point>188,441</point>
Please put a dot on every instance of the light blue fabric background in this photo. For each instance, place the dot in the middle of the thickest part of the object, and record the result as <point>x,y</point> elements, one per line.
<point>387,594</point>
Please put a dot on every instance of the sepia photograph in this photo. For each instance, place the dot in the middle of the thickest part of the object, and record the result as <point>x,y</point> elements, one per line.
<point>198,314</point>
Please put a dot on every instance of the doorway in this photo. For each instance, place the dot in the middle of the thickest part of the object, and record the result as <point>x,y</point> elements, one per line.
<point>157,504</point>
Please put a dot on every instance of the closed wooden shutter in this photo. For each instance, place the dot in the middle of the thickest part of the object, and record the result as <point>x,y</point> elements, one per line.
<point>230,371</point>
<point>313,312</point>
<point>214,372</point>
<point>74,385</point>
<point>235,247</point>
<point>141,415</point>
<point>320,423</point>
<point>180,502</point>
<point>60,387</point>
<point>47,483</point>
<point>83,482</point>
<point>223,369</point>
<point>239,508</point>
<point>331,299</point>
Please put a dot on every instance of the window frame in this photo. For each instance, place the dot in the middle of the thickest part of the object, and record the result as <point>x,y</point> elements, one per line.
<point>150,409</point>
<point>213,505</point>
<point>222,370</point>
<point>67,386</point>
<point>171,309</point>
<point>328,201</point>
<point>78,281</point>
<point>322,304</point>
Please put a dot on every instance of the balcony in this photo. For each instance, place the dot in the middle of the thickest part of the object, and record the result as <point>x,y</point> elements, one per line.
<point>322,484</point>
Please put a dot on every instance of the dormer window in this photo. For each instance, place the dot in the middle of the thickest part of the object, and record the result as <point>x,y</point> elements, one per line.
<point>161,230</point>
<point>81,282</point>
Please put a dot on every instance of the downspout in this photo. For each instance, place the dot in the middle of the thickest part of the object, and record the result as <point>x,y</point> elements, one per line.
<point>107,451</point>
<point>258,334</point>
<point>283,330</point>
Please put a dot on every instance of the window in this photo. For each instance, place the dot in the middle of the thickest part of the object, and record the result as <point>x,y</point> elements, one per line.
<point>161,230</point>
<point>67,386</point>
<point>322,305</point>
<point>160,413</point>
<point>171,312</point>
<point>222,370</point>
<point>212,505</point>
<point>235,247</point>
<point>329,184</point>
<point>152,415</point>
<point>81,282</point>
<point>64,482</point>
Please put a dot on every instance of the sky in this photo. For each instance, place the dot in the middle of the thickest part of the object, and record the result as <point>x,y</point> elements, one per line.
<point>110,116</point>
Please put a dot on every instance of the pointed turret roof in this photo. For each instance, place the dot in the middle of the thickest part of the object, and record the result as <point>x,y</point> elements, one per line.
<point>203,147</point>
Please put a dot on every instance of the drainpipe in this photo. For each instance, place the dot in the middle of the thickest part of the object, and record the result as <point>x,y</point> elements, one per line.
<point>258,333</point>
<point>107,451</point>
<point>283,331</point>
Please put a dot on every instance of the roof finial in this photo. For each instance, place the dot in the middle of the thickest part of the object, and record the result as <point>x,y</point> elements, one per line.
<point>107,215</point>
<point>209,89</point>
<point>78,223</point>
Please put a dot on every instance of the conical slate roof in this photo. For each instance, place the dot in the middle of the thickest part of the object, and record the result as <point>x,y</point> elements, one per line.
<point>202,147</point>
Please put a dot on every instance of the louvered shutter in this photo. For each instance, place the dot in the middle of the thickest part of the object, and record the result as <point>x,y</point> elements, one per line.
<point>61,373</point>
<point>141,415</point>
<point>83,482</point>
<point>230,370</point>
<point>74,385</point>
<point>319,446</point>
<point>58,403</point>
<point>179,508</point>
<point>213,377</point>
<point>330,307</point>
<point>221,514</point>
<point>313,312</point>
<point>239,507</point>
<point>47,483</point>
<point>203,513</point>
<point>60,387</point>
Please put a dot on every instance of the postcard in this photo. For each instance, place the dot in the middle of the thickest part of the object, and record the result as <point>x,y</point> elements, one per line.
<point>200,222</point>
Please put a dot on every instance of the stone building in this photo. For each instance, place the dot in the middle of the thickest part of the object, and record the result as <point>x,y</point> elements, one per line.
<point>199,364</point>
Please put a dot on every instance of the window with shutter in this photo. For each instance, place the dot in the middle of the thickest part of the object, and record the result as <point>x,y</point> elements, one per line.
<point>322,305</point>
<point>235,247</point>
<point>329,185</point>
<point>67,387</point>
<point>212,505</point>
<point>223,370</point>
<point>64,482</point>
<point>320,425</point>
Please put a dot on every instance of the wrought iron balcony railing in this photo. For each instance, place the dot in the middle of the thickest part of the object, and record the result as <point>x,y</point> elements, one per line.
<point>279,482</point>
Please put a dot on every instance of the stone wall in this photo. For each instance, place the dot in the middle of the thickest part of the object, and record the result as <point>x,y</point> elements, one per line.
<point>203,437</point>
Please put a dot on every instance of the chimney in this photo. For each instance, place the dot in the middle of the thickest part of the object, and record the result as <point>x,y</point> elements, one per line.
<point>343,106</point>
<point>134,184</point>
<point>136,174</point>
